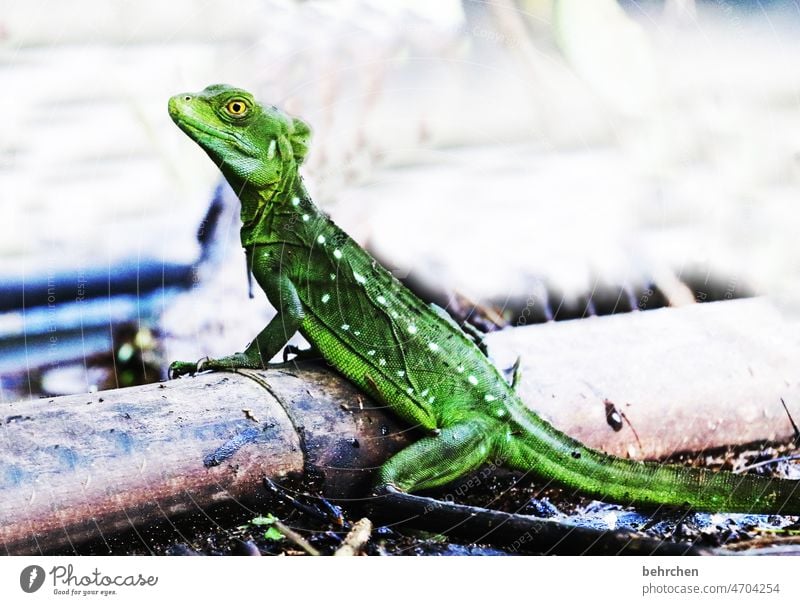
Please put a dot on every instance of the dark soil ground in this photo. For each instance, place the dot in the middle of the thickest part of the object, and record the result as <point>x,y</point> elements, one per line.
<point>236,533</point>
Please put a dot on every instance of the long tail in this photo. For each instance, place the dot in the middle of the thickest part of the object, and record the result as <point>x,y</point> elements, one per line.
<point>550,453</point>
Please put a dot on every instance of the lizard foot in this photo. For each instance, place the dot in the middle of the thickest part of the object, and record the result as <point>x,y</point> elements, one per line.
<point>182,368</point>
<point>205,364</point>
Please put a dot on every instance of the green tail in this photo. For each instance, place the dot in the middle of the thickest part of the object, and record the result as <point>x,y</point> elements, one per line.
<point>551,454</point>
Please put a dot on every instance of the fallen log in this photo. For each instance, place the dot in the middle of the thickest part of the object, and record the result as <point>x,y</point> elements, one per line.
<point>683,379</point>
<point>79,468</point>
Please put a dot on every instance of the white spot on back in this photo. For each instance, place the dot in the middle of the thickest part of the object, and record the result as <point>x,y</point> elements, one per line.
<point>409,390</point>
<point>321,239</point>
<point>412,329</point>
<point>424,393</point>
<point>345,327</point>
<point>472,380</point>
<point>359,278</point>
<point>305,218</point>
<point>433,346</point>
<point>295,201</point>
<point>333,276</point>
<point>500,412</point>
<point>371,352</point>
<point>325,298</point>
<point>489,397</point>
<point>337,253</point>
<point>381,300</point>
<point>460,369</point>
<point>401,373</point>
<point>271,149</point>
<point>382,361</point>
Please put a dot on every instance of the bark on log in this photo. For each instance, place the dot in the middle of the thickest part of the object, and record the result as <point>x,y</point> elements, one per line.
<point>80,467</point>
<point>687,378</point>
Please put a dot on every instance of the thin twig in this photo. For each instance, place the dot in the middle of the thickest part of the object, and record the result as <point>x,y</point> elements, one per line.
<point>744,469</point>
<point>296,538</point>
<point>763,542</point>
<point>355,539</point>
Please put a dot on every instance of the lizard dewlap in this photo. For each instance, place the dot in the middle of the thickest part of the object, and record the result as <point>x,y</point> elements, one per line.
<point>406,354</point>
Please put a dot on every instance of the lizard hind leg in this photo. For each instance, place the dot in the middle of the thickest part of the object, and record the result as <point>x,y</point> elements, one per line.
<point>439,459</point>
<point>458,449</point>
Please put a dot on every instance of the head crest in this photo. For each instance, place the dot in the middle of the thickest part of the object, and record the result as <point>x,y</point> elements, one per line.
<point>299,137</point>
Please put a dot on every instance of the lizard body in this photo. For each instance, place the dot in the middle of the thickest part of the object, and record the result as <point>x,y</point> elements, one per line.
<point>402,352</point>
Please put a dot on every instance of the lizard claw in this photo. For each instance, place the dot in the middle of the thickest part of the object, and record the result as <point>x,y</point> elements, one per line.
<point>202,365</point>
<point>186,368</point>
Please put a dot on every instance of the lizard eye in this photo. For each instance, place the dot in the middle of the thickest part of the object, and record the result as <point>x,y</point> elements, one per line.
<point>236,108</point>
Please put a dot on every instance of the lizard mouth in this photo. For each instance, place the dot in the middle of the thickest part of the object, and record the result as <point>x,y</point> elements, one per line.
<point>188,123</point>
<point>193,127</point>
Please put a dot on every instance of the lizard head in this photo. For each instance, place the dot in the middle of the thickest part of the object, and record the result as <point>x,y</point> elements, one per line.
<point>251,143</point>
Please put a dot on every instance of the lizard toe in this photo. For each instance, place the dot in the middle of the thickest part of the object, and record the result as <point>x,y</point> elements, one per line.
<point>202,365</point>
<point>180,368</point>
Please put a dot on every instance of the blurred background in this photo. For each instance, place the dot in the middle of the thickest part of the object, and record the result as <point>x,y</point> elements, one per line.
<point>516,161</point>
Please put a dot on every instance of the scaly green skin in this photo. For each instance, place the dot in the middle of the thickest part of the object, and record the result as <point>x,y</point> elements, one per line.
<point>402,352</point>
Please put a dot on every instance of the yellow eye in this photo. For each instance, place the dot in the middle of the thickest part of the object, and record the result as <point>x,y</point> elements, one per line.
<point>236,108</point>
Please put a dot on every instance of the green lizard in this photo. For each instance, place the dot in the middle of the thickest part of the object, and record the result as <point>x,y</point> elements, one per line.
<point>404,353</point>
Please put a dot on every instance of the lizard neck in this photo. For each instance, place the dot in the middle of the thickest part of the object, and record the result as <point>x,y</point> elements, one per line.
<point>260,206</point>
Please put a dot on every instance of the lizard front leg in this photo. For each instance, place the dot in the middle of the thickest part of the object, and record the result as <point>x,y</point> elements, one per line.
<point>282,293</point>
